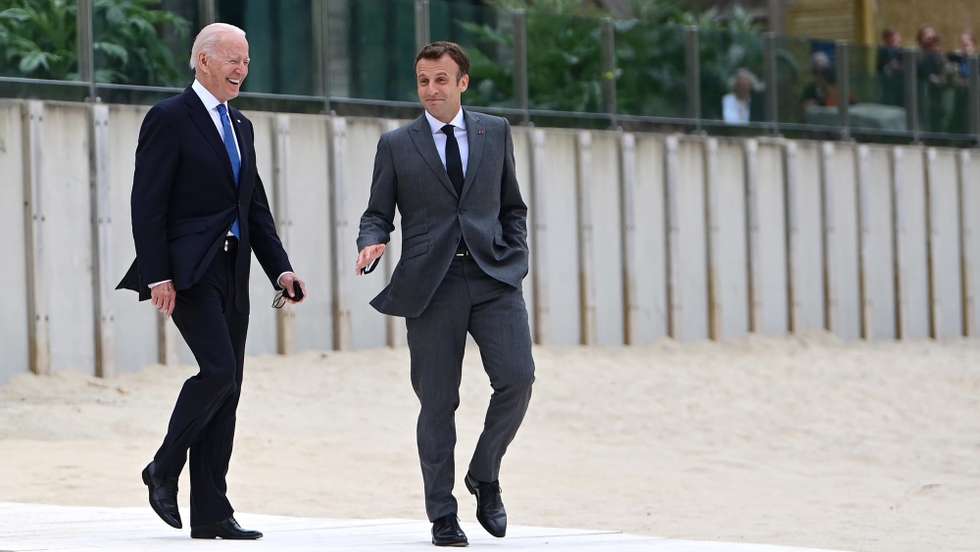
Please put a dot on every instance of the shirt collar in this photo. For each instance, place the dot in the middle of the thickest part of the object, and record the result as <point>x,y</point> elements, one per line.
<point>436,125</point>
<point>207,98</point>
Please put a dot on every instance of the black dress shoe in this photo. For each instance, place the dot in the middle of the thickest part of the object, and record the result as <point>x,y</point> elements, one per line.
<point>489,508</point>
<point>227,529</point>
<point>446,532</point>
<point>163,496</point>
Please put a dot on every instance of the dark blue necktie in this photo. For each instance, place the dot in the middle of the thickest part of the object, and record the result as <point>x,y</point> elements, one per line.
<point>236,161</point>
<point>454,161</point>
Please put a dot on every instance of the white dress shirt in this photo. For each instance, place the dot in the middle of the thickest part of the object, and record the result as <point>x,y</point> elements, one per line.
<point>734,110</point>
<point>211,105</point>
<point>440,137</point>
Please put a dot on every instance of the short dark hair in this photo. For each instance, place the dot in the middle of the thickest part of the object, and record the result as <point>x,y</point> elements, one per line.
<point>436,50</point>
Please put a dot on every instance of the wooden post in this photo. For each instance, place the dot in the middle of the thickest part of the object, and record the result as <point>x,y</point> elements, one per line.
<point>286,316</point>
<point>34,223</point>
<point>712,237</point>
<point>968,264</point>
<point>101,239</point>
<point>829,228</point>
<point>340,255</point>
<point>586,266</point>
<point>671,179</point>
<point>863,172</point>
<point>900,231</point>
<point>794,246</point>
<point>932,233</point>
<point>753,235</point>
<point>627,209</point>
<point>394,325</point>
<point>539,237</point>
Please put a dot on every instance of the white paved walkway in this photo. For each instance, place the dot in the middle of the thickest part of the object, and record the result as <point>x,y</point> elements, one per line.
<point>35,527</point>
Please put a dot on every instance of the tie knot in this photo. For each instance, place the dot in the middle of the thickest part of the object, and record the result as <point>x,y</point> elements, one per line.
<point>222,109</point>
<point>448,129</point>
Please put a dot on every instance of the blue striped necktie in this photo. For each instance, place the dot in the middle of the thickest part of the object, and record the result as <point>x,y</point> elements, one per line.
<point>236,161</point>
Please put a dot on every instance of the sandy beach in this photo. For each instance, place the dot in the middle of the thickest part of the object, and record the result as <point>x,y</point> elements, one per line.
<point>809,441</point>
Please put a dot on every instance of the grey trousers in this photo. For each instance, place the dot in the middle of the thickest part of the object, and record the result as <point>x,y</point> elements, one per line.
<point>494,313</point>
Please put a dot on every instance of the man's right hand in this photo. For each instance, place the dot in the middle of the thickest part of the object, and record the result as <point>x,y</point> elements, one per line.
<point>164,297</point>
<point>368,255</point>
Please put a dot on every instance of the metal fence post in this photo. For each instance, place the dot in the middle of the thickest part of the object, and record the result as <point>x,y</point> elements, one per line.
<point>207,11</point>
<point>772,85</point>
<point>85,45</point>
<point>693,54</point>
<point>520,64</point>
<point>608,60</point>
<point>974,98</point>
<point>910,62</point>
<point>101,194</point>
<point>422,31</point>
<point>844,86</point>
<point>321,50</point>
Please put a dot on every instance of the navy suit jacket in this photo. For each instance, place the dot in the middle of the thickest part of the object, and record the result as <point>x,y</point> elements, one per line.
<point>184,200</point>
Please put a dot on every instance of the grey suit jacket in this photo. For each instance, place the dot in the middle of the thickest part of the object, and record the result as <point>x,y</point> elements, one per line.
<point>489,215</point>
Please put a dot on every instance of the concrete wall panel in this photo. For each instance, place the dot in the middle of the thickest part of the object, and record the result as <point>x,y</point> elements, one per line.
<point>13,303</point>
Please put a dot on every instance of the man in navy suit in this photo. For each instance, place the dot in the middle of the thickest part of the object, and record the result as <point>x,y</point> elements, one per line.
<point>199,209</point>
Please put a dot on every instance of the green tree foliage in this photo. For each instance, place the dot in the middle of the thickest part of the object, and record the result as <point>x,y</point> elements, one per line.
<point>39,39</point>
<point>564,56</point>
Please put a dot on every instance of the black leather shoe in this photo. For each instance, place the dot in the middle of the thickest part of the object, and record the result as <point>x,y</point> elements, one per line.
<point>163,496</point>
<point>489,508</point>
<point>446,532</point>
<point>227,529</point>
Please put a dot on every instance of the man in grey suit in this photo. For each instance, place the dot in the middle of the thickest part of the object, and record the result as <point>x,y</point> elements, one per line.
<point>464,255</point>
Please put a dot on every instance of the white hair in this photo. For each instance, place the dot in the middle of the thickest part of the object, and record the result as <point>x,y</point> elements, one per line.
<point>209,37</point>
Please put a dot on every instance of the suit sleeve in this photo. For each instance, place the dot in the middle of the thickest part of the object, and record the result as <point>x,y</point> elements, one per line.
<point>513,211</point>
<point>157,157</point>
<point>376,222</point>
<point>263,236</point>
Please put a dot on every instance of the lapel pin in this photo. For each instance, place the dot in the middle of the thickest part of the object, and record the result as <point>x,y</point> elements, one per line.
<point>239,121</point>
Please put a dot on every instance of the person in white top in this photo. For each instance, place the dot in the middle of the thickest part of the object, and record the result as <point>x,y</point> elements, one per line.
<point>736,105</point>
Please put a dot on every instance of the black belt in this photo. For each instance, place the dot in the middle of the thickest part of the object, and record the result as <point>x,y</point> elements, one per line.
<point>231,244</point>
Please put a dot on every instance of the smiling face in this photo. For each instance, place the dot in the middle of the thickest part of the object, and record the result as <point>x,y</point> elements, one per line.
<point>440,87</point>
<point>223,70</point>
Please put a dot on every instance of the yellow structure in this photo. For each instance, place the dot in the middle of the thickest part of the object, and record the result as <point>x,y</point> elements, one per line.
<point>862,21</point>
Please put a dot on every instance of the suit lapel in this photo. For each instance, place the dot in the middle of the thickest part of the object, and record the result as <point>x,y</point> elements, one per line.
<point>205,125</point>
<point>421,134</point>
<point>475,137</point>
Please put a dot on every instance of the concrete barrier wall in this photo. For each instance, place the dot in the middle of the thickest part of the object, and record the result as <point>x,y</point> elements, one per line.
<point>841,240</point>
<point>14,323</point>
<point>944,243</point>
<point>970,220</point>
<point>135,323</point>
<point>634,237</point>
<point>728,260</point>
<point>804,218</point>
<point>769,310</point>
<point>649,257</point>
<point>687,239</point>
<point>876,243</point>
<point>911,242</point>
